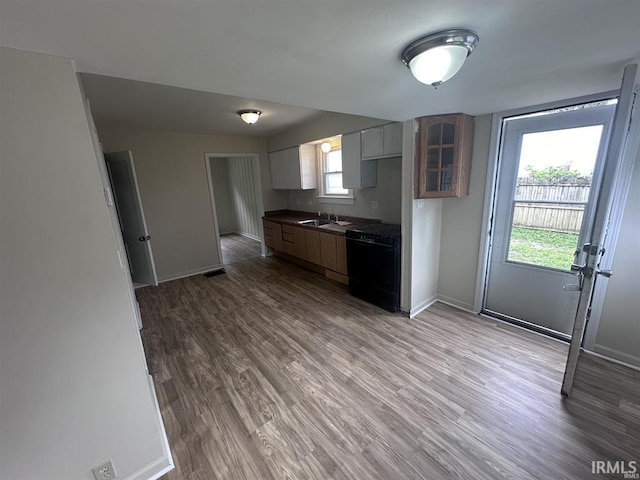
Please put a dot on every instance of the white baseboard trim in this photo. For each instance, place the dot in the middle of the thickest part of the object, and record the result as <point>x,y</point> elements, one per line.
<point>422,306</point>
<point>153,471</point>
<point>252,237</point>
<point>452,302</point>
<point>189,273</point>
<point>614,356</point>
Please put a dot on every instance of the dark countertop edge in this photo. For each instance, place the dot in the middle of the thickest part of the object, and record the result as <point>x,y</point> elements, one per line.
<point>292,217</point>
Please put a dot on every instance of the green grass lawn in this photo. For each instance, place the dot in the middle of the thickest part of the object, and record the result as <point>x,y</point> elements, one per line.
<point>542,247</point>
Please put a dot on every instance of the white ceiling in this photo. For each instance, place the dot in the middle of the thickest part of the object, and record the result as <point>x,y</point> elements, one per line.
<point>339,55</point>
<point>129,103</point>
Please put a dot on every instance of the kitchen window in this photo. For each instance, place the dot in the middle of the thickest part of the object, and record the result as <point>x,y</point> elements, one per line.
<point>331,189</point>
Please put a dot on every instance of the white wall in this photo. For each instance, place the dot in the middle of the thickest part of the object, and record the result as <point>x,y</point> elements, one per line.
<point>225,210</point>
<point>73,384</point>
<point>461,227</point>
<point>173,183</point>
<point>387,192</point>
<point>244,197</point>
<point>619,329</point>
<point>327,124</point>
<point>421,221</point>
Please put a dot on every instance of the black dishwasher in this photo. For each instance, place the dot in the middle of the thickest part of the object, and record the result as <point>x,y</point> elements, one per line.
<point>373,263</point>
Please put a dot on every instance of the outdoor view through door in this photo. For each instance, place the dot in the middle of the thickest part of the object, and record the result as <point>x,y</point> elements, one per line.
<point>549,172</point>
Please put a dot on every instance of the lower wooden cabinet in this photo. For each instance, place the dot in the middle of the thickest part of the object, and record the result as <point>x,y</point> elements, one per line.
<point>273,235</point>
<point>314,246</point>
<point>300,243</point>
<point>341,255</point>
<point>312,239</point>
<point>328,252</point>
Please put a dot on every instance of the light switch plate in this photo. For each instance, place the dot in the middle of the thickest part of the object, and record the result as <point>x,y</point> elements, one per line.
<point>374,204</point>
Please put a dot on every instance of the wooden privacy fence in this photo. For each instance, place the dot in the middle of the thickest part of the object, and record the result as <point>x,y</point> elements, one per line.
<point>557,217</point>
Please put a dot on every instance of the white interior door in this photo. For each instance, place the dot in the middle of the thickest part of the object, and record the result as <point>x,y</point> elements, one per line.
<point>549,173</point>
<point>131,216</point>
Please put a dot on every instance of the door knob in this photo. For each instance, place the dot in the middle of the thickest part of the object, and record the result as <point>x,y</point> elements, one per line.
<point>144,239</point>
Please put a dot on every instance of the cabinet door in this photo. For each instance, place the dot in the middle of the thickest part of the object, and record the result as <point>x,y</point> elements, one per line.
<point>278,167</point>
<point>300,243</point>
<point>373,143</point>
<point>272,235</point>
<point>355,172</point>
<point>392,141</point>
<point>307,165</point>
<point>341,255</point>
<point>312,239</point>
<point>292,173</point>
<point>444,156</point>
<point>328,253</point>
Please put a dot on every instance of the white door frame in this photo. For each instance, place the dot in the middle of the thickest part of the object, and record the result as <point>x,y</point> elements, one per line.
<point>619,201</point>
<point>257,185</point>
<point>497,139</point>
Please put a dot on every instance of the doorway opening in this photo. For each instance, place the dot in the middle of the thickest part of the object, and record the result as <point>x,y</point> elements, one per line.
<point>236,202</point>
<point>550,166</point>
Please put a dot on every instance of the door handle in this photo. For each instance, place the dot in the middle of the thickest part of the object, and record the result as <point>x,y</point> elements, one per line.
<point>144,239</point>
<point>604,273</point>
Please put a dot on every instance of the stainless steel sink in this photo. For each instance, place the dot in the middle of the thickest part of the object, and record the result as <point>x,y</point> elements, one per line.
<point>315,222</point>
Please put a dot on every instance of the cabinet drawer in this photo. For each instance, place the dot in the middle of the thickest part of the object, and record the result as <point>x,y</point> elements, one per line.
<point>287,229</point>
<point>286,236</point>
<point>288,247</point>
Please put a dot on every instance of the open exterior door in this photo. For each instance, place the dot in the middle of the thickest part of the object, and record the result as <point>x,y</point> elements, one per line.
<point>593,250</point>
<point>131,216</point>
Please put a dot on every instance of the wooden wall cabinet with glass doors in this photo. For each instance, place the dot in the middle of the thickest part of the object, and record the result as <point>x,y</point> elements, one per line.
<point>443,160</point>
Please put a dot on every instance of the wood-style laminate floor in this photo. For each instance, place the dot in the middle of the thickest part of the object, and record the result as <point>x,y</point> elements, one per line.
<point>237,248</point>
<point>274,372</point>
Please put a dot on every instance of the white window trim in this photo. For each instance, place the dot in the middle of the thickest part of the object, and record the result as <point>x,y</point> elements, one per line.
<point>341,199</point>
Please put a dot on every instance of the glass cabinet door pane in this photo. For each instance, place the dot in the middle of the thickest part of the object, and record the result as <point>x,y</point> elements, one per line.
<point>447,157</point>
<point>433,157</point>
<point>448,133</point>
<point>445,180</point>
<point>433,134</point>
<point>432,181</point>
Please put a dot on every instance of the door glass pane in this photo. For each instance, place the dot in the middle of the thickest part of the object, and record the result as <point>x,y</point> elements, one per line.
<point>433,134</point>
<point>554,179</point>
<point>448,131</point>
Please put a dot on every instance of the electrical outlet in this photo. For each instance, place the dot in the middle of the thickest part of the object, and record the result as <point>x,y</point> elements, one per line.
<point>374,204</point>
<point>421,203</point>
<point>105,471</point>
<point>310,201</point>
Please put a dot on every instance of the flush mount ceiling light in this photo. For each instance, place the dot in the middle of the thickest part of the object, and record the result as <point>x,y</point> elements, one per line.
<point>325,147</point>
<point>436,58</point>
<point>250,116</point>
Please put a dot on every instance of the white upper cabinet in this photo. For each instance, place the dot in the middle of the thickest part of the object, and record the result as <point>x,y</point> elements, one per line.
<point>293,168</point>
<point>356,173</point>
<point>383,141</point>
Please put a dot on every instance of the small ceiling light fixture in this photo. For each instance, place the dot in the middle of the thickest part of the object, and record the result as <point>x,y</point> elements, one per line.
<point>250,116</point>
<point>325,147</point>
<point>436,58</point>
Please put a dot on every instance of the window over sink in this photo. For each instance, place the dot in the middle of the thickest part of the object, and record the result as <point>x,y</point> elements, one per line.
<point>330,179</point>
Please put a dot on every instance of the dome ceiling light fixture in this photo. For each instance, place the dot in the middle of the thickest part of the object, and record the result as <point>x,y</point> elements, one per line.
<point>250,116</point>
<point>325,147</point>
<point>435,58</point>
